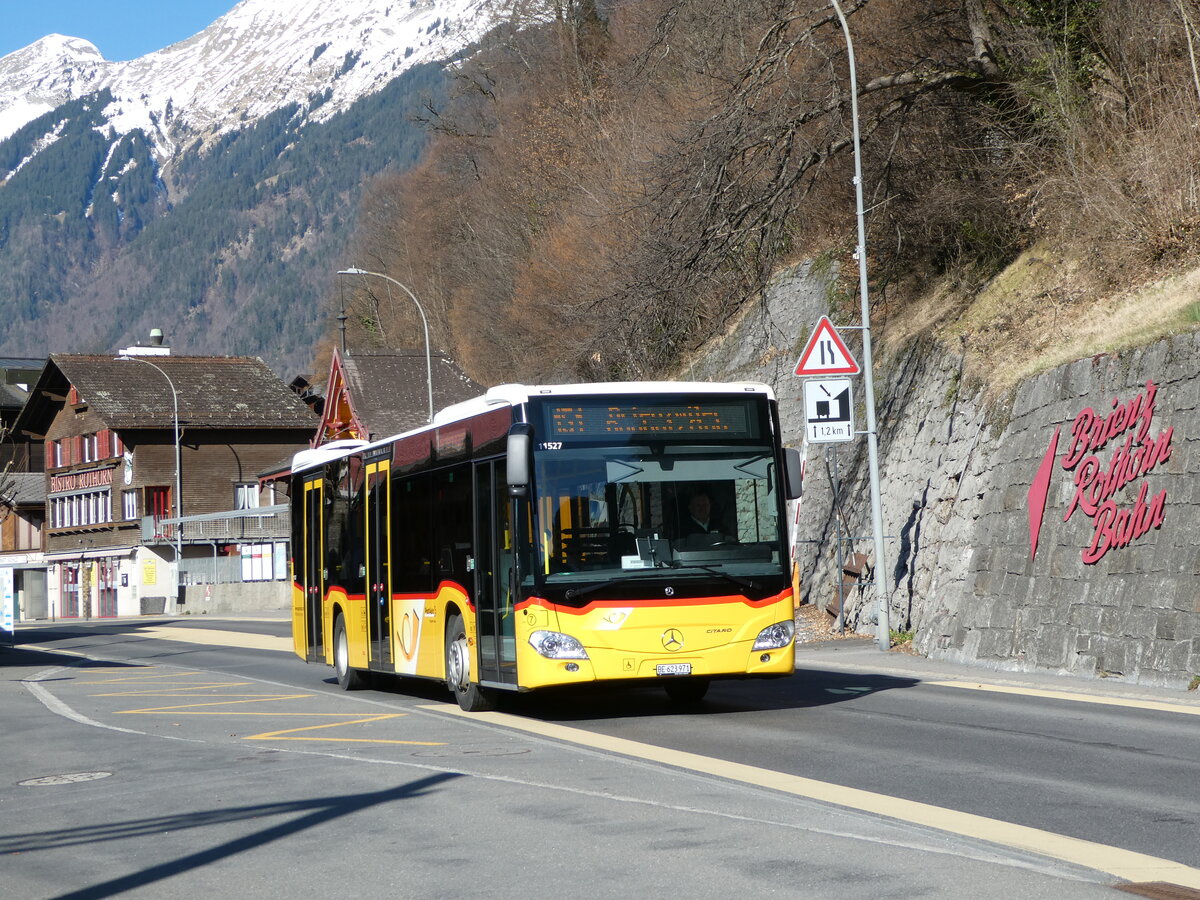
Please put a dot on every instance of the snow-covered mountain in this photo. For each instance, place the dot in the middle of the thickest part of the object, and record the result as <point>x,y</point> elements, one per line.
<point>210,188</point>
<point>260,56</point>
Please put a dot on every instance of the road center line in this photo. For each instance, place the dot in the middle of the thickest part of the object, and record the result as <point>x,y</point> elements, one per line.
<point>1124,864</point>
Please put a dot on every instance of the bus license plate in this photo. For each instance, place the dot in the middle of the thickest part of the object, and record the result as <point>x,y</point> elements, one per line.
<point>674,669</point>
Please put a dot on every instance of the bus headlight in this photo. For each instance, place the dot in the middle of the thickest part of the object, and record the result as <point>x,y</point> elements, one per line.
<point>555,645</point>
<point>775,636</point>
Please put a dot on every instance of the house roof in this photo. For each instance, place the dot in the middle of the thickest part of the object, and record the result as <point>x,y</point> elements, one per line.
<point>25,365</point>
<point>212,392</point>
<point>388,390</point>
<point>16,370</point>
<point>11,396</point>
<point>25,488</point>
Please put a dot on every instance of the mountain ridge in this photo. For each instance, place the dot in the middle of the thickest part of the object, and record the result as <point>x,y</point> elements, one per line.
<point>255,59</point>
<point>176,206</point>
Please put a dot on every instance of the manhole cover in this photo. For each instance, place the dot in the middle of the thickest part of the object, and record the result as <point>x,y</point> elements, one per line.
<point>69,778</point>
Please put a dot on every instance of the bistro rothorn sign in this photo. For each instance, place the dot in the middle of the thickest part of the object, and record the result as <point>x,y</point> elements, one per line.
<point>77,481</point>
<point>1123,434</point>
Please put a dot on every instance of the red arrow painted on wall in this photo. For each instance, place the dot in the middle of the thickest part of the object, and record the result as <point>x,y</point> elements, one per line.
<point>1038,491</point>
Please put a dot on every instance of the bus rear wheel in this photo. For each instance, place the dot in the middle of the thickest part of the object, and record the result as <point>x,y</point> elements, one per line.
<point>470,696</point>
<point>348,679</point>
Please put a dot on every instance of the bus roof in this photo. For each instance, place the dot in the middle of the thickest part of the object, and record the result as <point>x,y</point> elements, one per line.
<point>516,394</point>
<point>315,456</point>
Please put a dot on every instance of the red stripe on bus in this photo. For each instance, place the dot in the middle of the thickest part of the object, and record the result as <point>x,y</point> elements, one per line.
<point>643,603</point>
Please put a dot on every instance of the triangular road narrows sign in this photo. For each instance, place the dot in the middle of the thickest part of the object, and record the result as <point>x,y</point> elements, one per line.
<point>826,354</point>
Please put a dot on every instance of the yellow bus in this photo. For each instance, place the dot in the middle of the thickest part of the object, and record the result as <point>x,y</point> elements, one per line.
<point>553,535</point>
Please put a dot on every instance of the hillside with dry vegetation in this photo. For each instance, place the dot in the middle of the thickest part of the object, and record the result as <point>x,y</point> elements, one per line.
<point>612,181</point>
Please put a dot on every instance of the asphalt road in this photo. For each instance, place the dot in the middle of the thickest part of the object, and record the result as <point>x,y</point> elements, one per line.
<point>141,764</point>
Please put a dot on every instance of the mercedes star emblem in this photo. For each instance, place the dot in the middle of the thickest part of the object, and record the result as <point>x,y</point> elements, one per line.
<point>673,639</point>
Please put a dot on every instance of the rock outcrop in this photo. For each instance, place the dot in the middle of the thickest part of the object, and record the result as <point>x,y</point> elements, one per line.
<point>1055,530</point>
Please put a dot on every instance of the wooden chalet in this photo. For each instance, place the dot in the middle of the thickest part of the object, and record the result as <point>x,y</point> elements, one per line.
<point>108,427</point>
<point>22,493</point>
<point>372,394</point>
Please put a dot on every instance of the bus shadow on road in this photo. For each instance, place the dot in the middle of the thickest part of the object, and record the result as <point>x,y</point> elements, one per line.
<point>805,689</point>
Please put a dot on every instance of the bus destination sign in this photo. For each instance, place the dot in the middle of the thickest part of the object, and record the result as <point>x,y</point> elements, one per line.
<point>586,420</point>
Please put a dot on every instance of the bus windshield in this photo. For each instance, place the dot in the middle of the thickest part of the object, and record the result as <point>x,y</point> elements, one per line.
<point>615,512</point>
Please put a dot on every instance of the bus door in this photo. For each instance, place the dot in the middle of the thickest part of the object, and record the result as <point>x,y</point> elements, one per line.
<point>379,568</point>
<point>493,570</point>
<point>312,567</point>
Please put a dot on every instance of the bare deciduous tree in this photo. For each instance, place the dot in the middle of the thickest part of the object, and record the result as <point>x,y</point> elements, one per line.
<point>607,190</point>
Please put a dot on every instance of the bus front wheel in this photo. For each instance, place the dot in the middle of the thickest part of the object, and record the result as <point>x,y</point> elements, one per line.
<point>348,679</point>
<point>470,696</point>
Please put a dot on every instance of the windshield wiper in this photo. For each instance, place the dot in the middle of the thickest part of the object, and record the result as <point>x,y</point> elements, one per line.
<point>740,582</point>
<point>575,593</point>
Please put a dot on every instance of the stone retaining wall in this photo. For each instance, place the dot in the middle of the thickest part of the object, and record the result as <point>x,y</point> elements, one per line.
<point>956,483</point>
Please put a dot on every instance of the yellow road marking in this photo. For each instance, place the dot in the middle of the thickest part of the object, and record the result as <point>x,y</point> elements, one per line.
<point>1129,703</point>
<point>139,678</point>
<point>183,711</point>
<point>132,667</point>
<point>262,698</point>
<point>218,638</point>
<point>1124,864</point>
<point>38,648</point>
<point>279,735</point>
<point>181,691</point>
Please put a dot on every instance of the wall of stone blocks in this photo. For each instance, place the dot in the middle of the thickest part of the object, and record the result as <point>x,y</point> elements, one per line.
<point>955,484</point>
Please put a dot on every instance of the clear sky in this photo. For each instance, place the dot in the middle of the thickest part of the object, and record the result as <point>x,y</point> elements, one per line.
<point>121,29</point>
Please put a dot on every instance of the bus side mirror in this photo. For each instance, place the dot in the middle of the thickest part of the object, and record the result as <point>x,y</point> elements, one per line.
<point>793,473</point>
<point>520,437</point>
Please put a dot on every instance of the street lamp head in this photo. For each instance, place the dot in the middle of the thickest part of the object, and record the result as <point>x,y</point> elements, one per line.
<point>353,271</point>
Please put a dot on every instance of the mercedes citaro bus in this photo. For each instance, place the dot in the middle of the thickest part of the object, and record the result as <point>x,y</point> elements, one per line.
<point>553,535</point>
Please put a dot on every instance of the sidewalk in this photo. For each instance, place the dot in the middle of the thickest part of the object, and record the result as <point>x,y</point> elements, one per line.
<point>861,654</point>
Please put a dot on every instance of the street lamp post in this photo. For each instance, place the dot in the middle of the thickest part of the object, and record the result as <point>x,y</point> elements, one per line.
<point>424,324</point>
<point>178,487</point>
<point>883,634</point>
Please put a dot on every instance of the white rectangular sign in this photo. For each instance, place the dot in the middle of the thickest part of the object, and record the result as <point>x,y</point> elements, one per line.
<point>828,410</point>
<point>7,600</point>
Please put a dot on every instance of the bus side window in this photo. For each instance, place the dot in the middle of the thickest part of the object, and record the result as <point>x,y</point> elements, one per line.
<point>453,523</point>
<point>412,534</point>
<point>337,511</point>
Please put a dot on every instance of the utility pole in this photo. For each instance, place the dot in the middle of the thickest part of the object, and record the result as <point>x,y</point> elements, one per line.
<point>883,632</point>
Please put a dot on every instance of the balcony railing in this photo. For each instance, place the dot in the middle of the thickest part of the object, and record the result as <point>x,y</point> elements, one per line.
<point>264,523</point>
